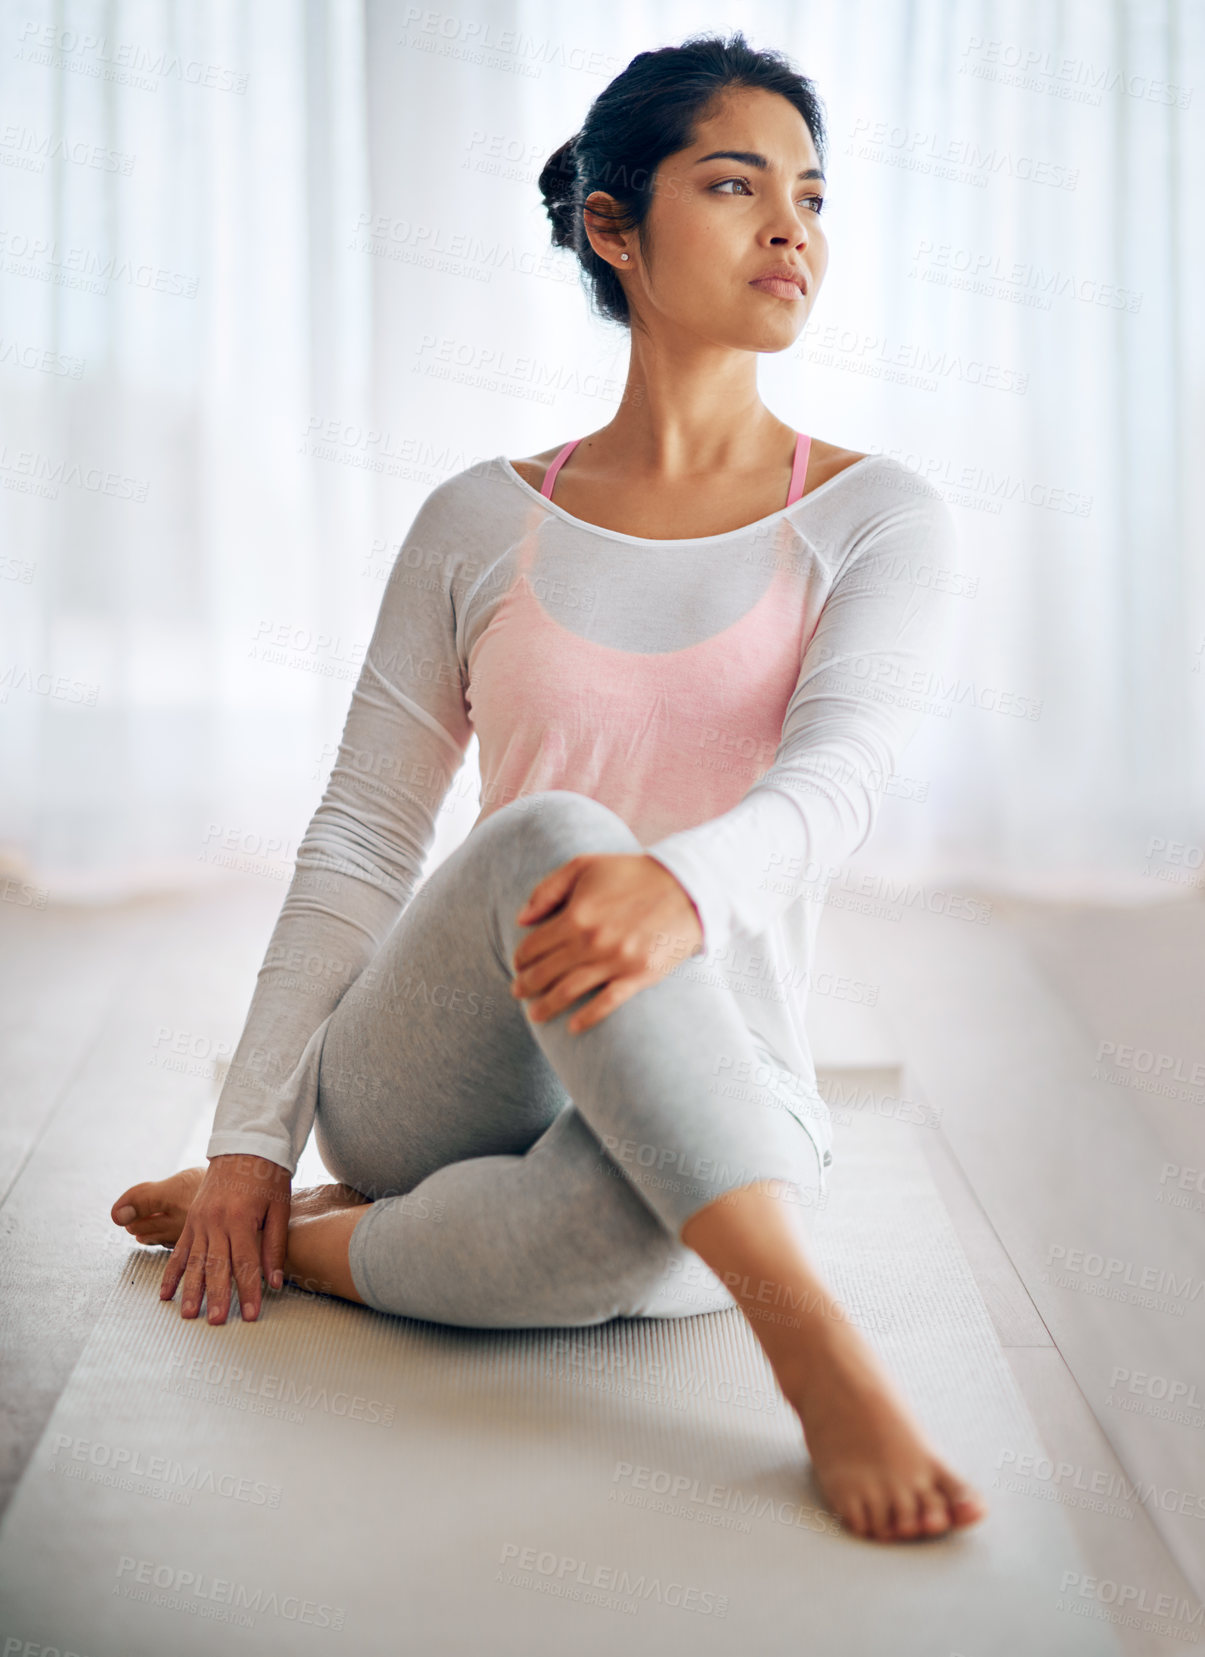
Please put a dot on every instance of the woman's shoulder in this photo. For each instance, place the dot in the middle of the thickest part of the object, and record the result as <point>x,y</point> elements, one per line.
<point>532,467</point>
<point>826,460</point>
<point>887,477</point>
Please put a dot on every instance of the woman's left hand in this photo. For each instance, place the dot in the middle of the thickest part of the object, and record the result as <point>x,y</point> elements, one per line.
<point>617,920</point>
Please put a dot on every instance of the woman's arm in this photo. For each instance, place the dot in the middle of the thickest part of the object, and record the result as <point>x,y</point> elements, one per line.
<point>361,857</point>
<point>864,678</point>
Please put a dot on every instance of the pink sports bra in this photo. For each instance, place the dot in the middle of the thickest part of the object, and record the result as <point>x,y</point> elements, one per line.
<point>798,470</point>
<point>668,739</point>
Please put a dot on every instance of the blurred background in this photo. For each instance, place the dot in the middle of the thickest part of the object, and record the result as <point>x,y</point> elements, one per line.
<point>269,273</point>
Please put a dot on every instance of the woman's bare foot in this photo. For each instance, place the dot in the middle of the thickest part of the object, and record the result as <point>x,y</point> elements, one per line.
<point>154,1211</point>
<point>872,1460</point>
<point>876,1467</point>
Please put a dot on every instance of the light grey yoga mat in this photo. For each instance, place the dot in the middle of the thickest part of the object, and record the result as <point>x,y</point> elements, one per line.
<point>331,1480</point>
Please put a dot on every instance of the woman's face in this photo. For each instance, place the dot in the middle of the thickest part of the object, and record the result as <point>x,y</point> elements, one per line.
<point>718,222</point>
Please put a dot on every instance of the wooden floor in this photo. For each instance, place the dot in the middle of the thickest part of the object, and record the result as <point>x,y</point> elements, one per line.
<point>117,1020</point>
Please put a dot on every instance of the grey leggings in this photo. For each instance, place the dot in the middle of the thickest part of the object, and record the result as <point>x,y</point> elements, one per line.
<point>521,1175</point>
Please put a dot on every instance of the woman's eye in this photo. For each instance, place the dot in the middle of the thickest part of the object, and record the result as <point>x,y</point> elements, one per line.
<point>816,202</point>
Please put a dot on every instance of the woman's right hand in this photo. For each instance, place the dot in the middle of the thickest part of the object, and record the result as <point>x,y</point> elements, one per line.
<point>236,1226</point>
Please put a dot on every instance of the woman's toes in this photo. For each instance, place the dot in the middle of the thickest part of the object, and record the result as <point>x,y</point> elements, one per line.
<point>148,1224</point>
<point>155,1210</point>
<point>968,1511</point>
<point>151,1233</point>
<point>965,1504</point>
<point>172,1196</point>
<point>138,1203</point>
<point>878,1511</point>
<point>934,1514</point>
<point>905,1513</point>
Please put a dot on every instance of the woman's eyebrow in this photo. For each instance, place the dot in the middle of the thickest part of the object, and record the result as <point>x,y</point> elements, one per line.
<point>750,158</point>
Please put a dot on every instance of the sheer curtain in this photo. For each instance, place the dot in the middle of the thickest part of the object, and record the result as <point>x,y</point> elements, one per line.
<point>178,303</point>
<point>271,272</point>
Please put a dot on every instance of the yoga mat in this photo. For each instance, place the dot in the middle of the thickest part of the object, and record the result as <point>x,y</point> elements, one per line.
<point>333,1480</point>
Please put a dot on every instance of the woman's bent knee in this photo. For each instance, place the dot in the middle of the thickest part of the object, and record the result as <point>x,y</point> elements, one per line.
<point>564,820</point>
<point>524,842</point>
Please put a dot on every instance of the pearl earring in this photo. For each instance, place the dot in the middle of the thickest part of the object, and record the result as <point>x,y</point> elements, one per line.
<point>623,255</point>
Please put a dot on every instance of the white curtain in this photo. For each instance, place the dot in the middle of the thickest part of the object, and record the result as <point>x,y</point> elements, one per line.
<point>271,271</point>
<point>177,305</point>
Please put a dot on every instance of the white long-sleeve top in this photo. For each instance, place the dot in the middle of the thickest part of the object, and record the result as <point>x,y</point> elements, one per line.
<point>741,700</point>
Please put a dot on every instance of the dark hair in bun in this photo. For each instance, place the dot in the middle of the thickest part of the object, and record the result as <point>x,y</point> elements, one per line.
<point>557,186</point>
<point>649,111</point>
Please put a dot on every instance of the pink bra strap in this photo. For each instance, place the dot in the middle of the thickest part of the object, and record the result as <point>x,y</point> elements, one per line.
<point>558,462</point>
<point>799,469</point>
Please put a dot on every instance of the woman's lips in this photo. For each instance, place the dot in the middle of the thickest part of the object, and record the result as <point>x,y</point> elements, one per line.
<point>780,285</point>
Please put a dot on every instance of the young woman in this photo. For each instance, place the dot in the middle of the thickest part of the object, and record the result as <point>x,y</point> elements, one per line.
<point>566,1078</point>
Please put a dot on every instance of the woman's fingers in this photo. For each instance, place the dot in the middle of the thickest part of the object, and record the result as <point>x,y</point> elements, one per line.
<point>177,1260</point>
<point>204,1266</point>
<point>603,1005</point>
<point>216,1284</point>
<point>272,1243</point>
<point>238,1219</point>
<point>552,984</point>
<point>247,1276</point>
<point>558,957</point>
<point>192,1287</point>
<point>610,936</point>
<point>565,991</point>
<point>614,986</point>
<point>550,891</point>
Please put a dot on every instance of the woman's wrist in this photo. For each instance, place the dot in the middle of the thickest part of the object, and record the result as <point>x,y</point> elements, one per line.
<point>694,922</point>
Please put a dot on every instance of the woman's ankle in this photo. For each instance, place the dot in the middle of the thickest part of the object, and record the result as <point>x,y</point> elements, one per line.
<point>756,1242</point>
<point>316,1251</point>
